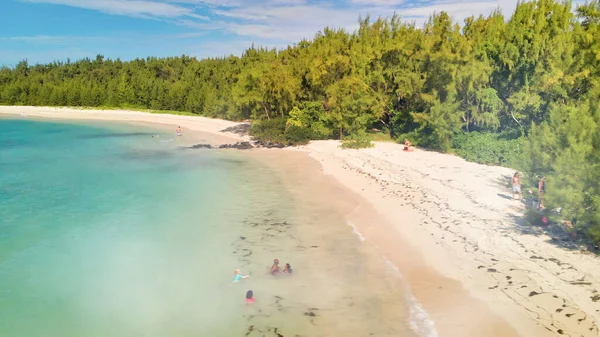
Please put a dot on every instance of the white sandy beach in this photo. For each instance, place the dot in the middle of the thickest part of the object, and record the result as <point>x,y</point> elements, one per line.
<point>461,220</point>
<point>440,214</point>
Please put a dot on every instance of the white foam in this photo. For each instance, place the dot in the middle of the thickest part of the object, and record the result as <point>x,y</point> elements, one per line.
<point>419,321</point>
<point>355,230</point>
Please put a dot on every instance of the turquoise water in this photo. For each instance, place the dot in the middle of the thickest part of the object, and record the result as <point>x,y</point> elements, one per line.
<point>106,231</point>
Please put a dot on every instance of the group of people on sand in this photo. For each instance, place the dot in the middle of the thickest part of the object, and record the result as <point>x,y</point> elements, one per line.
<point>516,189</point>
<point>275,270</point>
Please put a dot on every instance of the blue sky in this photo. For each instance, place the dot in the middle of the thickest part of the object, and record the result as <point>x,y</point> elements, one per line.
<point>47,30</point>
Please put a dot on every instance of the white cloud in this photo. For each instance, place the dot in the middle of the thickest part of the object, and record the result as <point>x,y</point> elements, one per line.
<point>141,8</point>
<point>277,22</point>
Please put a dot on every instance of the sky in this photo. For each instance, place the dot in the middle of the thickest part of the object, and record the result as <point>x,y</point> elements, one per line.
<point>42,31</point>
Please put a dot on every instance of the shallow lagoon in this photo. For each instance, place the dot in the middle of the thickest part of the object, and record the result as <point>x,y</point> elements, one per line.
<point>105,230</point>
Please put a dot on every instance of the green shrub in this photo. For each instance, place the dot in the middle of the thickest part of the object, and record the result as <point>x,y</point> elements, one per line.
<point>488,148</point>
<point>358,140</point>
<point>278,131</point>
<point>594,233</point>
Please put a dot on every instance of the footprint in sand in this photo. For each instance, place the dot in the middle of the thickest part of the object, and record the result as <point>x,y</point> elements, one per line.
<point>552,311</point>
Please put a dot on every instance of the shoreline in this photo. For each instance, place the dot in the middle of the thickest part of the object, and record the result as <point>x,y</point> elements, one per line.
<point>443,222</point>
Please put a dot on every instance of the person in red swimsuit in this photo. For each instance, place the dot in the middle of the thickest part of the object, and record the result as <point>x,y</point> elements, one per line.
<point>249,296</point>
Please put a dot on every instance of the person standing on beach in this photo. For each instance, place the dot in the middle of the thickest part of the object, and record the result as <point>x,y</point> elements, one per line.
<point>178,131</point>
<point>516,185</point>
<point>541,191</point>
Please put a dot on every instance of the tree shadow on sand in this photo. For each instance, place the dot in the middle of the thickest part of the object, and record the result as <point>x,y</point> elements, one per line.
<point>558,234</point>
<point>241,129</point>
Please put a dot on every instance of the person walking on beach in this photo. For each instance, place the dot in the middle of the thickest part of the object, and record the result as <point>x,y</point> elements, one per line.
<point>541,191</point>
<point>516,185</point>
<point>178,131</point>
<point>275,268</point>
<point>237,276</point>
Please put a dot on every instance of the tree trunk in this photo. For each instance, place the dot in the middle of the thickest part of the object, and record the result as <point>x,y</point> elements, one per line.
<point>266,111</point>
<point>513,117</point>
<point>341,132</point>
<point>387,125</point>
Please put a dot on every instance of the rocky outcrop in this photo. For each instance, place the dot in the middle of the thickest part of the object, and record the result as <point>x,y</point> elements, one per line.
<point>238,145</point>
<point>200,146</point>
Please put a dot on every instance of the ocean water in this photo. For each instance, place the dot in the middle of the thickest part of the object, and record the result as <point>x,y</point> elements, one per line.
<point>107,231</point>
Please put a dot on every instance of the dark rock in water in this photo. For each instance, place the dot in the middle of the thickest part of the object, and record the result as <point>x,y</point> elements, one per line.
<point>200,146</point>
<point>238,145</point>
<point>310,313</point>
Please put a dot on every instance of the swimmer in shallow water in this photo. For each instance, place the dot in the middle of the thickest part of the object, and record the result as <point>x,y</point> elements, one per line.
<point>249,296</point>
<point>237,276</point>
<point>275,268</point>
<point>287,269</point>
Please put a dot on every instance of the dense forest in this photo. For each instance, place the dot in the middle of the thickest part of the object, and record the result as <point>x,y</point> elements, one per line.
<point>521,91</point>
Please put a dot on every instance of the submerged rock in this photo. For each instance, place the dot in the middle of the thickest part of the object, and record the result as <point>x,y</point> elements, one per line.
<point>200,146</point>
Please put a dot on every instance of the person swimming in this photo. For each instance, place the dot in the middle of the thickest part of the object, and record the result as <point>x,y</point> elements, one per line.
<point>237,276</point>
<point>275,268</point>
<point>288,269</point>
<point>249,296</point>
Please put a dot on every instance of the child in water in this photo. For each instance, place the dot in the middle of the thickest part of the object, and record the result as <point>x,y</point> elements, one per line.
<point>287,269</point>
<point>238,276</point>
<point>249,296</point>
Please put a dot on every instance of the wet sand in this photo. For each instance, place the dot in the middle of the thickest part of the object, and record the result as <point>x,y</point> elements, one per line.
<point>441,306</point>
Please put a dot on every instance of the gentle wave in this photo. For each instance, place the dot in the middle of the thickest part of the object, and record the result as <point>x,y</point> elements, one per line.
<point>420,322</point>
<point>355,230</point>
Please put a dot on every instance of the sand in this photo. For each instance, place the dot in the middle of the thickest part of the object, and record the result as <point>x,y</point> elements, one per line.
<point>449,226</point>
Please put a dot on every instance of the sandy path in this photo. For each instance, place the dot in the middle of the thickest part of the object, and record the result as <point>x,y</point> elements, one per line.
<point>463,222</point>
